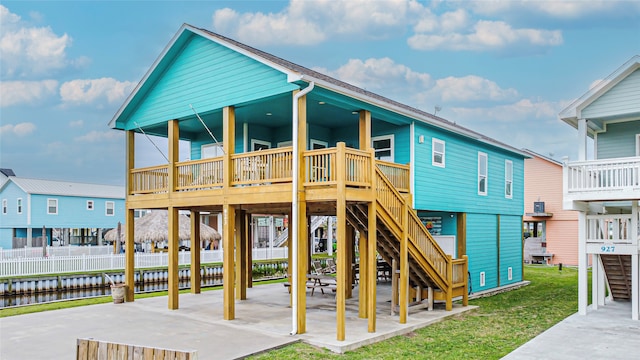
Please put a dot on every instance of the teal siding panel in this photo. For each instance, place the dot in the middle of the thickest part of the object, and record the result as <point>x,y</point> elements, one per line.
<point>623,98</point>
<point>482,250</point>
<point>208,76</point>
<point>618,141</point>
<point>454,188</point>
<point>73,213</point>
<point>510,249</point>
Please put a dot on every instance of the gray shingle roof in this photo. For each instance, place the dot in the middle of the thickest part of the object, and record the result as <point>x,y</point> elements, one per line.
<point>65,188</point>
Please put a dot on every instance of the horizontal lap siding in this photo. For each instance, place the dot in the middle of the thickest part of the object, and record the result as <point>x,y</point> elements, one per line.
<point>455,187</point>
<point>482,245</point>
<point>510,249</point>
<point>208,76</point>
<point>618,141</point>
<point>11,193</point>
<point>623,98</point>
<point>73,213</point>
<point>562,241</point>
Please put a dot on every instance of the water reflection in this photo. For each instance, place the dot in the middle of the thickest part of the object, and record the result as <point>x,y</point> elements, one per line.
<point>45,297</point>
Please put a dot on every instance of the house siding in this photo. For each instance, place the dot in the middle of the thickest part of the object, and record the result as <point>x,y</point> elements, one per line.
<point>454,188</point>
<point>11,219</point>
<point>482,249</point>
<point>619,140</point>
<point>209,76</point>
<point>73,213</point>
<point>510,249</point>
<point>623,98</point>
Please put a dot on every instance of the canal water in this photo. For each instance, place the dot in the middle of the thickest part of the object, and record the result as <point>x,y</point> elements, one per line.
<point>52,296</point>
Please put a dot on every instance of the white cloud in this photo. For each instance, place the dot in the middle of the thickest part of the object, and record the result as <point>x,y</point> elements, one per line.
<point>76,123</point>
<point>26,92</point>
<point>485,35</point>
<point>28,51</point>
<point>95,136</point>
<point>312,22</point>
<point>557,9</point>
<point>87,91</point>
<point>20,129</point>
<point>394,80</point>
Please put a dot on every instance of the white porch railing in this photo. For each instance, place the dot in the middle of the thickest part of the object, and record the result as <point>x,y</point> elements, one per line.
<point>598,175</point>
<point>86,263</point>
<point>611,229</point>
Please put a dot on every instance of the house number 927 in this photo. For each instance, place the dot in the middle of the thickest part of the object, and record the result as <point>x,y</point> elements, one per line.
<point>608,249</point>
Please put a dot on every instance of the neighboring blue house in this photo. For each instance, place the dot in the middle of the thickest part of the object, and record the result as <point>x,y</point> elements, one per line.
<point>299,143</point>
<point>77,211</point>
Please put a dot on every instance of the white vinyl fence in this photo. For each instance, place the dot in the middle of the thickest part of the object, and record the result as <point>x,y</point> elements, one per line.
<point>85,263</point>
<point>32,252</point>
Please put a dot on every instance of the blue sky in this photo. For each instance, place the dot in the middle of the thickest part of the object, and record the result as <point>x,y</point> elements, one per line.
<point>502,68</point>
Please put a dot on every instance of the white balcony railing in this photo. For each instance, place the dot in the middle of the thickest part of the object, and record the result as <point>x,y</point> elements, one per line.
<point>620,174</point>
<point>611,229</point>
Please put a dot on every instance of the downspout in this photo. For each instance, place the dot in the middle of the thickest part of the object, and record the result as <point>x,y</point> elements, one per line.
<point>294,211</point>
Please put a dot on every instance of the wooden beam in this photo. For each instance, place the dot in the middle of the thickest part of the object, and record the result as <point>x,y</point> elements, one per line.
<point>241,256</point>
<point>404,266</point>
<point>363,268</point>
<point>196,246</point>
<point>129,271</point>
<point>372,246</point>
<point>341,239</point>
<point>228,227</point>
<point>249,253</point>
<point>364,131</point>
<point>174,152</point>
<point>465,296</point>
<point>462,234</point>
<point>228,144</point>
<point>302,236</point>
<point>173,240</point>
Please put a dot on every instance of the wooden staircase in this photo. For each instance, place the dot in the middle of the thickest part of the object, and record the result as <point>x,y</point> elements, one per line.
<point>429,266</point>
<point>618,271</point>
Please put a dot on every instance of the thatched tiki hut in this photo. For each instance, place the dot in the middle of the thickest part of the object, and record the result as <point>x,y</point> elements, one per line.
<point>154,227</point>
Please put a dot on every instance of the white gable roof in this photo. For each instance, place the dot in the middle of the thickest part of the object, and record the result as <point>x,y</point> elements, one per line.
<point>65,188</point>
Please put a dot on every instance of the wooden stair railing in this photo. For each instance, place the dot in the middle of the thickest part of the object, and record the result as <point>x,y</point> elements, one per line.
<point>422,246</point>
<point>618,272</point>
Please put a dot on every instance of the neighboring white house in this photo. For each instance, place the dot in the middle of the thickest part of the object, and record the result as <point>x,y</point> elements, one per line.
<point>606,190</point>
<point>78,211</point>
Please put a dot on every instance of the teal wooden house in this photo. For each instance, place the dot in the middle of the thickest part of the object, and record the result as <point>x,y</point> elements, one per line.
<point>439,202</point>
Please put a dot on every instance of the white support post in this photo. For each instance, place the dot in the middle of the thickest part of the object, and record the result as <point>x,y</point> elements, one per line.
<point>582,264</point>
<point>595,281</point>
<point>330,235</point>
<point>582,139</point>
<point>635,283</point>
<point>601,282</point>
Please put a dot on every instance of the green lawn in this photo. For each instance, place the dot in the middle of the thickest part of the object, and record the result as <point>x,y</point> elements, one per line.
<point>502,323</point>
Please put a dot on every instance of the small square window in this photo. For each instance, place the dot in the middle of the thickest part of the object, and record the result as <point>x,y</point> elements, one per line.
<point>52,206</point>
<point>109,207</point>
<point>89,204</point>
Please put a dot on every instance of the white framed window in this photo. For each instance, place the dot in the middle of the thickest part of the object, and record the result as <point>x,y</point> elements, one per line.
<point>483,178</point>
<point>482,278</point>
<point>109,208</point>
<point>4,206</point>
<point>437,152</point>
<point>508,179</point>
<point>19,206</point>
<point>383,146</point>
<point>259,145</point>
<point>52,206</point>
<point>90,205</point>
<point>317,144</point>
<point>211,150</point>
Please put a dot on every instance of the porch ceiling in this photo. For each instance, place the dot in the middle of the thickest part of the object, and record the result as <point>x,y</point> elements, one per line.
<point>324,108</point>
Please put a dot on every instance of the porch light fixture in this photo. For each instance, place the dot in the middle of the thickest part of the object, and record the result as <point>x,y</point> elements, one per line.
<point>354,112</point>
<point>268,114</point>
<point>321,102</point>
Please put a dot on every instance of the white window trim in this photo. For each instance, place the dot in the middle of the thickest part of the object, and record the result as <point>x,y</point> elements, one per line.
<point>91,205</point>
<point>486,176</point>
<point>19,205</point>
<point>49,207</point>
<point>435,141</point>
<point>259,142</point>
<point>391,143</point>
<point>318,142</point>
<point>510,273</point>
<point>285,143</point>
<point>106,208</point>
<point>211,145</point>
<point>637,144</point>
<point>508,179</point>
<point>4,206</point>
<point>482,278</point>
